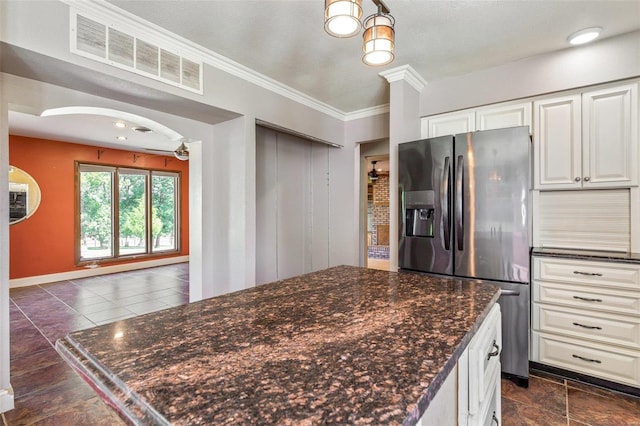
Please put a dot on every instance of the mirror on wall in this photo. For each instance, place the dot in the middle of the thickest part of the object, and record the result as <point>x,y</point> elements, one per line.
<point>24,195</point>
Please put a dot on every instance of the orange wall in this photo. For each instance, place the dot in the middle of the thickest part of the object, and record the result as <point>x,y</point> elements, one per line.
<point>44,243</point>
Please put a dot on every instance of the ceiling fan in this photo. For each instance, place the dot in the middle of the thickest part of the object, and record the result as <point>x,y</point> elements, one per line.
<point>181,152</point>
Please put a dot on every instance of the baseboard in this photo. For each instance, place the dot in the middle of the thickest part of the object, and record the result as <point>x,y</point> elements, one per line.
<point>6,400</point>
<point>92,272</point>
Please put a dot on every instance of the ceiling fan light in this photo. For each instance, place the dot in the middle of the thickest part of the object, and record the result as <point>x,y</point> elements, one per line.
<point>584,36</point>
<point>181,152</point>
<point>342,17</point>
<point>378,39</point>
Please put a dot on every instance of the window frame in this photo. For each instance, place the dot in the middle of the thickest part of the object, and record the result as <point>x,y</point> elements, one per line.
<point>115,171</point>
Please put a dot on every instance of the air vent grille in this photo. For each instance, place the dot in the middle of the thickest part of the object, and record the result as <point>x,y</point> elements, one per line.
<point>118,47</point>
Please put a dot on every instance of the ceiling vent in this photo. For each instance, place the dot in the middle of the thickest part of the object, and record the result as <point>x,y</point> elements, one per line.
<point>95,39</point>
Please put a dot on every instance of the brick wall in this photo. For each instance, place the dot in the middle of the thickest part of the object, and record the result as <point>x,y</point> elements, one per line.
<point>380,209</point>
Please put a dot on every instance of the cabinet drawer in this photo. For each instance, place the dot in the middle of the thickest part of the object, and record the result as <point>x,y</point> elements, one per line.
<point>613,364</point>
<point>490,411</point>
<point>600,327</point>
<point>593,298</point>
<point>623,275</point>
<point>484,358</point>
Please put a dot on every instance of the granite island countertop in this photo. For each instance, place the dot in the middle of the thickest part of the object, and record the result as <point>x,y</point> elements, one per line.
<point>345,345</point>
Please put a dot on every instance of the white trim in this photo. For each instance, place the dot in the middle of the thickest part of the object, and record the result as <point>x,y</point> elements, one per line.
<point>367,112</point>
<point>6,399</point>
<point>92,272</point>
<point>153,33</point>
<point>406,73</point>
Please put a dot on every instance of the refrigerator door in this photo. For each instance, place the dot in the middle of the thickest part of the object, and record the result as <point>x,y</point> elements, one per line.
<point>491,193</point>
<point>424,175</point>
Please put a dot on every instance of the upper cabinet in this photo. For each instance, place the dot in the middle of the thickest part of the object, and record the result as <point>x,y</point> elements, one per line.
<point>508,114</point>
<point>587,140</point>
<point>503,115</point>
<point>448,124</point>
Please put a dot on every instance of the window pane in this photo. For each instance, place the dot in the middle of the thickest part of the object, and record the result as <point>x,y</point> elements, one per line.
<point>96,214</point>
<point>163,225</point>
<point>132,208</point>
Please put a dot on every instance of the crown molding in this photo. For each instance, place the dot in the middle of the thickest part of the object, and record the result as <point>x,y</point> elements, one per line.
<point>406,73</point>
<point>367,112</point>
<point>154,33</point>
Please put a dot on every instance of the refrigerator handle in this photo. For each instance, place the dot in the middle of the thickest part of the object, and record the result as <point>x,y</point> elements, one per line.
<point>444,203</point>
<point>458,202</point>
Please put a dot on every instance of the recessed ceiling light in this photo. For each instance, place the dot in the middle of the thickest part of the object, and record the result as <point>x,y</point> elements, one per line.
<point>584,36</point>
<point>121,138</point>
<point>119,124</point>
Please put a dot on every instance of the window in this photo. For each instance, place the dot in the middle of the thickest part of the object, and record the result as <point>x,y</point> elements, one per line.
<point>126,212</point>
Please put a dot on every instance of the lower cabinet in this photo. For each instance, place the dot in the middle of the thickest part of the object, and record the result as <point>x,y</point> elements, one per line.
<point>471,395</point>
<point>586,317</point>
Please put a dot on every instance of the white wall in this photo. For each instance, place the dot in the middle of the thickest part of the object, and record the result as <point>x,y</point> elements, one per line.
<point>608,60</point>
<point>404,127</point>
<point>6,395</point>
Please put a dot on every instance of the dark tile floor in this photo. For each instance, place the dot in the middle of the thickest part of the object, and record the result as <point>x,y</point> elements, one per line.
<point>48,392</point>
<point>551,401</point>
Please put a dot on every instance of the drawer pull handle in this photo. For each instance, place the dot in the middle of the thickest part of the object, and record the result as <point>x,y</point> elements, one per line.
<point>494,352</point>
<point>494,419</point>
<point>589,274</point>
<point>587,359</point>
<point>590,327</point>
<point>586,299</point>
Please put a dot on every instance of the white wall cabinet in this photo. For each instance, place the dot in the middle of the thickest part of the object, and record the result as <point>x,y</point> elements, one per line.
<point>448,124</point>
<point>558,143</point>
<point>508,114</point>
<point>587,140</point>
<point>586,317</point>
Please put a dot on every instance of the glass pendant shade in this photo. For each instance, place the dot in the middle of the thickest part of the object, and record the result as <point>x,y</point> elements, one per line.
<point>342,17</point>
<point>182,152</point>
<point>378,39</point>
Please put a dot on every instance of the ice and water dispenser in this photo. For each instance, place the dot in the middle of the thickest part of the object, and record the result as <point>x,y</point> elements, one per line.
<point>419,213</point>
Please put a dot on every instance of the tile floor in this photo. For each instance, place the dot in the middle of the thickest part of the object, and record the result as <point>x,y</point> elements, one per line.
<point>48,392</point>
<point>551,401</point>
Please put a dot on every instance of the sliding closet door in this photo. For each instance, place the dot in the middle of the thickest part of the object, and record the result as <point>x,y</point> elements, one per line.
<point>291,206</point>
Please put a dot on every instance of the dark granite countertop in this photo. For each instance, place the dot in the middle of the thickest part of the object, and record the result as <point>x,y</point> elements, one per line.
<point>345,345</point>
<point>603,256</point>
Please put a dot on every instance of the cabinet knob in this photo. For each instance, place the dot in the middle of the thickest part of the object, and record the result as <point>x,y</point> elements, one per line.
<point>587,179</point>
<point>577,179</point>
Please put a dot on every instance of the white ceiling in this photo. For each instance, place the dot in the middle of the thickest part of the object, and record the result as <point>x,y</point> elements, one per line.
<point>285,40</point>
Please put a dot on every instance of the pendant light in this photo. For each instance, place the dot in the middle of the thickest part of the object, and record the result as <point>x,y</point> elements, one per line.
<point>181,152</point>
<point>378,37</point>
<point>342,17</point>
<point>373,175</point>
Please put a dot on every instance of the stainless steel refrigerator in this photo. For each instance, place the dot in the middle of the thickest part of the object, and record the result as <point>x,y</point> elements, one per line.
<point>465,213</point>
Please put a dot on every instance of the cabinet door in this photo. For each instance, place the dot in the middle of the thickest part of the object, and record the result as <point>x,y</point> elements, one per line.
<point>501,116</point>
<point>557,143</point>
<point>610,137</point>
<point>448,124</point>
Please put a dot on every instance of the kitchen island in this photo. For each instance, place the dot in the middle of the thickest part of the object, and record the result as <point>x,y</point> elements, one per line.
<point>345,345</point>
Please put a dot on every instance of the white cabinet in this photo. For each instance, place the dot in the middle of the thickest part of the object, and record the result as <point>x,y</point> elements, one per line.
<point>448,124</point>
<point>557,142</point>
<point>473,387</point>
<point>479,372</point>
<point>587,140</point>
<point>586,317</point>
<point>610,136</point>
<point>498,116</point>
